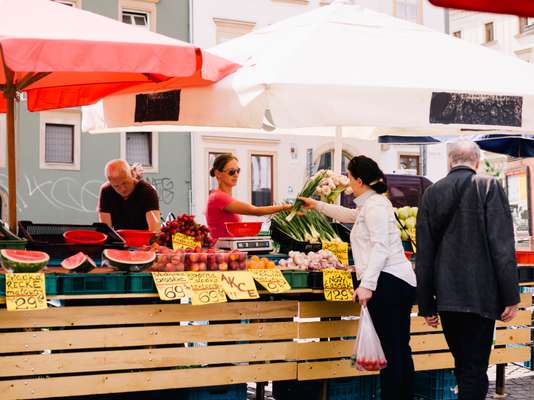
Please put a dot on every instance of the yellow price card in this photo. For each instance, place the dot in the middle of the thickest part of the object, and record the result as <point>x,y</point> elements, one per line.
<point>271,279</point>
<point>172,285</point>
<point>239,285</point>
<point>181,241</point>
<point>206,288</point>
<point>339,249</point>
<point>337,285</point>
<point>25,292</point>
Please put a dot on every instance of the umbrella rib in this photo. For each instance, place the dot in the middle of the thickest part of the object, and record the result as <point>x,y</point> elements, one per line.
<point>9,74</point>
<point>31,78</point>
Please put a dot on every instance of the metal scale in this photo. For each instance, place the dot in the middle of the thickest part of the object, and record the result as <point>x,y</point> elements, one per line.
<point>251,244</point>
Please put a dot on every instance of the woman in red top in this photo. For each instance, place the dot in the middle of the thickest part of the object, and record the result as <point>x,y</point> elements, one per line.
<point>222,207</point>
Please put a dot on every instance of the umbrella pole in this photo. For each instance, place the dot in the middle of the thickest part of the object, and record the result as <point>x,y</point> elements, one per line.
<point>338,150</point>
<point>9,94</point>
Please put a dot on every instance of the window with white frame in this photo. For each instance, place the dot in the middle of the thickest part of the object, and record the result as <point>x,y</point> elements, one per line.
<point>526,24</point>
<point>139,13</point>
<point>142,148</point>
<point>261,174</point>
<point>409,10</point>
<point>227,29</point>
<point>59,140</point>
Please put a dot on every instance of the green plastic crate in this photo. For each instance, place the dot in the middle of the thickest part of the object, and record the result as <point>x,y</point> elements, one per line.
<point>435,385</point>
<point>13,244</point>
<point>141,283</point>
<point>228,392</point>
<point>359,388</point>
<point>93,283</point>
<point>51,284</point>
<point>296,279</point>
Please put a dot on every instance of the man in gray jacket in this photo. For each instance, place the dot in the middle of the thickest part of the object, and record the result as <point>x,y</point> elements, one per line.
<point>466,269</point>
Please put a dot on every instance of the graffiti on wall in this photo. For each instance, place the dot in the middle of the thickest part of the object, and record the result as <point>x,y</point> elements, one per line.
<point>165,188</point>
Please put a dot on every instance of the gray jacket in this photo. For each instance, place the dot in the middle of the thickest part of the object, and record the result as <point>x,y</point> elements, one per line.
<point>465,247</point>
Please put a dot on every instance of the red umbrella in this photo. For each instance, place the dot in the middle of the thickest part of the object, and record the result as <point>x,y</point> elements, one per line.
<point>66,57</point>
<point>524,8</point>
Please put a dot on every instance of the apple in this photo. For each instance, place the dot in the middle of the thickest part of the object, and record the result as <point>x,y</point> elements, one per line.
<point>223,266</point>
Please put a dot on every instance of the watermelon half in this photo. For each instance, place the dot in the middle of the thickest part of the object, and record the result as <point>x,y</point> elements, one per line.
<point>129,260</point>
<point>23,260</point>
<point>79,262</point>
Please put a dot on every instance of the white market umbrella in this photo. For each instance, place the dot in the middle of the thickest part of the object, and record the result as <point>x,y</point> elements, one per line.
<point>344,66</point>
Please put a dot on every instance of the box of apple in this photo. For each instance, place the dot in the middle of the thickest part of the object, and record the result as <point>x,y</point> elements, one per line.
<point>198,259</point>
<point>408,218</point>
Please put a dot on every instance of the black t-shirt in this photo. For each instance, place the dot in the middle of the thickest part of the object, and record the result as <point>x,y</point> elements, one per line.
<point>129,213</point>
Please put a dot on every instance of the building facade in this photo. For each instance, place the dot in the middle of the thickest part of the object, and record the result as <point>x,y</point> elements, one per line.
<point>60,169</point>
<point>274,167</point>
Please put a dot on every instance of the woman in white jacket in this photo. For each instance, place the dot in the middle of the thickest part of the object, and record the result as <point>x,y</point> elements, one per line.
<point>387,280</point>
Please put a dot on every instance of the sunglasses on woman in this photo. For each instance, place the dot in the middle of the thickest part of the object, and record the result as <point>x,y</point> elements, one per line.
<point>233,171</point>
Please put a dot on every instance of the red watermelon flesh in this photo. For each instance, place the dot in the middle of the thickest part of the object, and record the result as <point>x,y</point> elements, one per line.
<point>23,260</point>
<point>129,260</point>
<point>79,262</point>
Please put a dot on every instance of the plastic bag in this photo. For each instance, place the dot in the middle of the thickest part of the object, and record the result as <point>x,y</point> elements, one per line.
<point>367,354</point>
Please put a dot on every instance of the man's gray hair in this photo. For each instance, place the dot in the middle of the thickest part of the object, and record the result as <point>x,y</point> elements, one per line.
<point>464,152</point>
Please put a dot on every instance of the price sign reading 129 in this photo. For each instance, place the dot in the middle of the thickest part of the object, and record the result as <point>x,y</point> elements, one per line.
<point>338,285</point>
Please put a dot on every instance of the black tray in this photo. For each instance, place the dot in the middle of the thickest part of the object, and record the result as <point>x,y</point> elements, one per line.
<point>525,273</point>
<point>288,244</point>
<point>49,238</point>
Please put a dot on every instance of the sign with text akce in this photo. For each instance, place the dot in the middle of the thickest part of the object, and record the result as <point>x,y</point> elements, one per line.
<point>239,285</point>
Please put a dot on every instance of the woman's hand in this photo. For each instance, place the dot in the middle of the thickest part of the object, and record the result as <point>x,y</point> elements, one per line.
<point>363,295</point>
<point>309,202</point>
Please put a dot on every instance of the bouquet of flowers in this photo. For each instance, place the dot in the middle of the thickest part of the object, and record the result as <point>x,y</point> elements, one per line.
<point>331,186</point>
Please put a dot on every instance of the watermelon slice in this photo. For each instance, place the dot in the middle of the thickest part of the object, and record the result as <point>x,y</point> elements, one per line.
<point>129,260</point>
<point>79,262</point>
<point>23,260</point>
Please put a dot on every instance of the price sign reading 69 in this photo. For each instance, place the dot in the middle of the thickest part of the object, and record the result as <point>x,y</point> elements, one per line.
<point>206,288</point>
<point>172,285</point>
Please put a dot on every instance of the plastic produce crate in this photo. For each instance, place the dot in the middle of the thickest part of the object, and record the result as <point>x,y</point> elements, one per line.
<point>140,283</point>
<point>93,283</point>
<point>360,388</point>
<point>435,385</point>
<point>13,244</point>
<point>315,280</point>
<point>292,390</point>
<point>51,284</point>
<point>228,392</point>
<point>296,279</point>
<point>525,273</point>
<point>288,244</point>
<point>49,238</point>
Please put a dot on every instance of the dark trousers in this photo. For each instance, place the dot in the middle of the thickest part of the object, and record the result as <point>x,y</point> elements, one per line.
<point>390,309</point>
<point>469,337</point>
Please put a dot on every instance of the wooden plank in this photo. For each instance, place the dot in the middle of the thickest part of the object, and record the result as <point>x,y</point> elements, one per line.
<point>323,309</point>
<point>526,300</point>
<point>100,361</point>
<point>422,362</point>
<point>71,339</point>
<point>327,329</point>
<point>147,314</point>
<point>145,380</point>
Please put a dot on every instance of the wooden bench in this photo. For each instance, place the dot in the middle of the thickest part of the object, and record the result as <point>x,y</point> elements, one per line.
<point>100,349</point>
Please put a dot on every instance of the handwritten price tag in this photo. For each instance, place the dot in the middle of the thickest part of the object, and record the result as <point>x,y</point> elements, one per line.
<point>206,288</point>
<point>25,292</point>
<point>271,279</point>
<point>339,249</point>
<point>181,241</point>
<point>172,285</point>
<point>337,285</point>
<point>239,285</point>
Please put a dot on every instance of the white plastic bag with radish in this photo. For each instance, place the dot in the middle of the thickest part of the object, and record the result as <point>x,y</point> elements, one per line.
<point>367,354</point>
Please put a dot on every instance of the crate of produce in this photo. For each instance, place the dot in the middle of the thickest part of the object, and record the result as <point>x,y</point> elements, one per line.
<point>296,279</point>
<point>315,280</point>
<point>288,244</point>
<point>93,283</point>
<point>140,283</point>
<point>435,385</point>
<point>51,284</point>
<point>360,388</point>
<point>227,392</point>
<point>49,238</point>
<point>291,390</point>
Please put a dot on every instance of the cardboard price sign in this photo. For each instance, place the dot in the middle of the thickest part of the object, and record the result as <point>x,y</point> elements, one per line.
<point>172,285</point>
<point>206,288</point>
<point>339,249</point>
<point>181,241</point>
<point>239,285</point>
<point>25,292</point>
<point>271,279</point>
<point>337,285</point>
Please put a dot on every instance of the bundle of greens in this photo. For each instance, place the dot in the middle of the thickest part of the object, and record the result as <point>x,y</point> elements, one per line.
<point>309,227</point>
<point>309,189</point>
